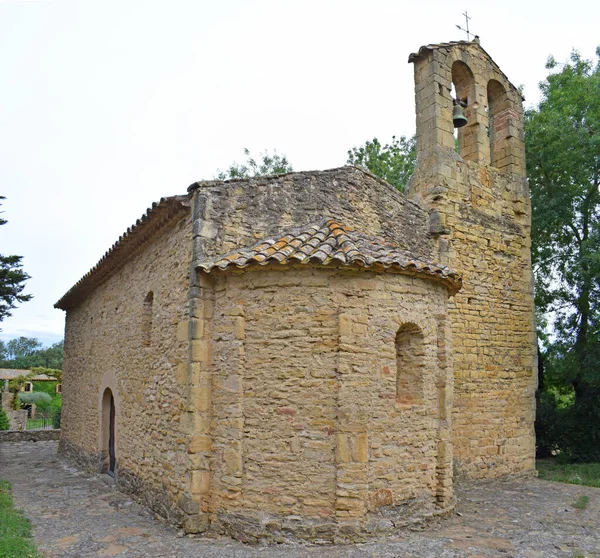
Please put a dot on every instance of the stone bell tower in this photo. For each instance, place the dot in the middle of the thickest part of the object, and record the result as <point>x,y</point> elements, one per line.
<point>475,187</point>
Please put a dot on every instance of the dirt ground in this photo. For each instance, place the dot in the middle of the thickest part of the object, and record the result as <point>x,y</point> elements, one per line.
<point>77,514</point>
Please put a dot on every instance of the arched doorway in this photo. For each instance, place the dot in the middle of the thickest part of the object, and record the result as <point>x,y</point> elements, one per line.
<point>108,449</point>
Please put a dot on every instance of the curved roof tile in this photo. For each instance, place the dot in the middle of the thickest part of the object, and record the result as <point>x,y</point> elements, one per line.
<point>327,242</point>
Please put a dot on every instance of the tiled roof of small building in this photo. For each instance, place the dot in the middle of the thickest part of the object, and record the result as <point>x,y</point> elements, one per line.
<point>12,373</point>
<point>155,218</point>
<point>331,242</point>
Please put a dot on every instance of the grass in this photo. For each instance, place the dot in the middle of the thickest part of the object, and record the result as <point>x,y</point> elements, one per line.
<point>585,474</point>
<point>581,502</point>
<point>15,529</point>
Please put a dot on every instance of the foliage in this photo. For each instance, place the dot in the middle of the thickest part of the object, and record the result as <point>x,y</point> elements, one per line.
<point>12,281</point>
<point>585,474</point>
<point>28,352</point>
<point>394,162</point>
<point>53,410</point>
<point>45,386</point>
<point>4,421</point>
<point>15,385</point>
<point>15,528</point>
<point>581,502</point>
<point>563,166</point>
<point>40,399</point>
<point>56,418</point>
<point>267,164</point>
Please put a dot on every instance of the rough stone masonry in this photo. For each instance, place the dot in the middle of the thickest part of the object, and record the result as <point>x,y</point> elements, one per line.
<point>312,356</point>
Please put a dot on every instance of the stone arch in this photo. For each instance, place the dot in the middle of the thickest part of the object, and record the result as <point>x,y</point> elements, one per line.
<point>463,80</point>
<point>464,84</point>
<point>410,365</point>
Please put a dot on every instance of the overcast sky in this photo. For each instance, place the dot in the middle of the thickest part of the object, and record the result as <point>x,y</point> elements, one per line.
<point>106,106</point>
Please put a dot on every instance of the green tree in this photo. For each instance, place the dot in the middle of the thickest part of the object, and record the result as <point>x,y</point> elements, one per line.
<point>22,352</point>
<point>38,398</point>
<point>53,355</point>
<point>394,162</point>
<point>4,422</point>
<point>12,281</point>
<point>563,166</point>
<point>266,164</point>
<point>28,352</point>
<point>22,347</point>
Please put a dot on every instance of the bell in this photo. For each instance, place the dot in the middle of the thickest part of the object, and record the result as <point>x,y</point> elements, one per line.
<point>458,118</point>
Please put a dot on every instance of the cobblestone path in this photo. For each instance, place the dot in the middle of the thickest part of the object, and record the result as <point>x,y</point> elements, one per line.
<point>79,515</point>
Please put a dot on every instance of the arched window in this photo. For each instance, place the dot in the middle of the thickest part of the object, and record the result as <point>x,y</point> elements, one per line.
<point>410,353</point>
<point>147,319</point>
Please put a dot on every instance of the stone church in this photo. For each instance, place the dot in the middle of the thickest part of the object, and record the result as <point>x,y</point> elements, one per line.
<point>315,355</point>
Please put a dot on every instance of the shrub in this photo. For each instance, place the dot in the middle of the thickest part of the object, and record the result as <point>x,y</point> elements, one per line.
<point>39,398</point>
<point>56,418</point>
<point>569,431</point>
<point>4,422</point>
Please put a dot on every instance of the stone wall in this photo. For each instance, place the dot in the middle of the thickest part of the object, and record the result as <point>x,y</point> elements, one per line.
<point>485,233</point>
<point>237,213</point>
<point>6,400</point>
<point>18,419</point>
<point>309,436</point>
<point>109,343</point>
<point>29,435</point>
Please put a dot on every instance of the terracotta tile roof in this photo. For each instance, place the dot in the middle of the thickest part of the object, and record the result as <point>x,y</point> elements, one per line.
<point>155,218</point>
<point>330,242</point>
<point>12,373</point>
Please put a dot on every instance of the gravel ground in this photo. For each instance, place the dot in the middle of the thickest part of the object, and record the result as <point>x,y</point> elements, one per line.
<point>77,514</point>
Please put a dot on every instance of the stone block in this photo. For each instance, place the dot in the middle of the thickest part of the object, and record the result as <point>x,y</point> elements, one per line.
<point>188,505</point>
<point>239,328</point>
<point>200,482</point>
<point>183,331</point>
<point>202,351</point>
<point>200,397</point>
<point>198,444</point>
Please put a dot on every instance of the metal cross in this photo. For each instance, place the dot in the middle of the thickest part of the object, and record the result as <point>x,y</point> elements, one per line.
<point>467,18</point>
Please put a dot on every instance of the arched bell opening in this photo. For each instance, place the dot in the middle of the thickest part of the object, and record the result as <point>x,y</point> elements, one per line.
<point>465,128</point>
